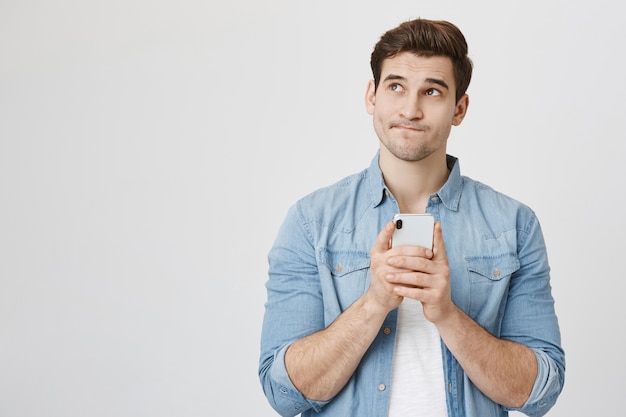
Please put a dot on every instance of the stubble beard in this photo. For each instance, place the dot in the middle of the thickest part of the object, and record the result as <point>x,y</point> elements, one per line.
<point>408,153</point>
<point>409,149</point>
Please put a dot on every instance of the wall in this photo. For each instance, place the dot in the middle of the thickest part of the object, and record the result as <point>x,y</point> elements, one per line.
<point>150,149</point>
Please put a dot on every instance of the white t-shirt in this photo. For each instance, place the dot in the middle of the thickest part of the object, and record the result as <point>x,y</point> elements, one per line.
<point>417,383</point>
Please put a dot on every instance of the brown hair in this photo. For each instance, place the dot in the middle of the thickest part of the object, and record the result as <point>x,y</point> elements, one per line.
<point>426,38</point>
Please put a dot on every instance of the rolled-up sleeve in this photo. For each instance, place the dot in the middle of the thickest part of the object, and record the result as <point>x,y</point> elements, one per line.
<point>294,309</point>
<point>532,320</point>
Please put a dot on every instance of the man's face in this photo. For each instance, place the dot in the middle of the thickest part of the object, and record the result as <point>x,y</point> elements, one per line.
<point>414,107</point>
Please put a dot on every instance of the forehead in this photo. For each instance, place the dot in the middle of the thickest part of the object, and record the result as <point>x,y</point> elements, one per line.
<point>418,68</point>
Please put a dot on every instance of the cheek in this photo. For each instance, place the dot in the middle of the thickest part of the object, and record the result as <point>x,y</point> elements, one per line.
<point>377,125</point>
<point>446,118</point>
<point>379,128</point>
<point>383,112</point>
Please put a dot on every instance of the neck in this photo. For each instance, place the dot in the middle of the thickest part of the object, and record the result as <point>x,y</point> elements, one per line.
<point>412,182</point>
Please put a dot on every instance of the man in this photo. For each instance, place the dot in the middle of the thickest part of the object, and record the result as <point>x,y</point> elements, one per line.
<point>354,327</point>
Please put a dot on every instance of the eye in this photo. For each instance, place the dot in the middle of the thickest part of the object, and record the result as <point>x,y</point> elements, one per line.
<point>433,92</point>
<point>396,87</point>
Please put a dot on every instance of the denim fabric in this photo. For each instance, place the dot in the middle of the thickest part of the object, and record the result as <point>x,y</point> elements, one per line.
<point>499,272</point>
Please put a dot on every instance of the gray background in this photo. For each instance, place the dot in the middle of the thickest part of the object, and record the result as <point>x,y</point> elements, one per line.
<point>150,149</point>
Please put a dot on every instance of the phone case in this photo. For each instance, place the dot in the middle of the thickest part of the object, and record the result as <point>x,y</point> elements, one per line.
<point>413,230</point>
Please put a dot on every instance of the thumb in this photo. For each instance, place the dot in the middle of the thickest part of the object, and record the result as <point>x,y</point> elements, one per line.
<point>382,240</point>
<point>439,247</point>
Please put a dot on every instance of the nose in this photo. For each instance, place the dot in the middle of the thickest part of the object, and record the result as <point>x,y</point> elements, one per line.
<point>412,108</point>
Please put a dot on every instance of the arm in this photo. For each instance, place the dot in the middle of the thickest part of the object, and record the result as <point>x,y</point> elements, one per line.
<point>303,358</point>
<point>305,363</point>
<point>503,370</point>
<point>321,364</point>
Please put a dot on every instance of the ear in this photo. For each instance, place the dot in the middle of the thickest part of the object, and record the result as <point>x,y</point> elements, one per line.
<point>461,110</point>
<point>370,97</point>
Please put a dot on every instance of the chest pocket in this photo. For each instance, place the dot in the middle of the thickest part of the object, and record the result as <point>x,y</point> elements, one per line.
<point>492,268</point>
<point>489,279</point>
<point>348,272</point>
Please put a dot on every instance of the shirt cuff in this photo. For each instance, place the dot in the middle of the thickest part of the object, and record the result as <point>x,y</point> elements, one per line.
<point>285,386</point>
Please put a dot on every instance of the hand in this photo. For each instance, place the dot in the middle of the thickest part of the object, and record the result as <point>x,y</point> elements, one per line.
<point>381,291</point>
<point>422,275</point>
<point>384,291</point>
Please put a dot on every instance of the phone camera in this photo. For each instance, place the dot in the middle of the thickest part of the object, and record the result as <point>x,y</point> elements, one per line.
<point>398,224</point>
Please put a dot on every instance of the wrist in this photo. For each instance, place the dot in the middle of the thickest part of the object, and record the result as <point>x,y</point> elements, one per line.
<point>373,308</point>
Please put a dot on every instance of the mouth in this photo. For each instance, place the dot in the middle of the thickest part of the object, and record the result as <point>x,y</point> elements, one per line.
<point>410,127</point>
<point>406,125</point>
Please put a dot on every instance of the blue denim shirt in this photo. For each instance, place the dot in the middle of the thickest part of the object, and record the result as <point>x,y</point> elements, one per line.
<point>499,272</point>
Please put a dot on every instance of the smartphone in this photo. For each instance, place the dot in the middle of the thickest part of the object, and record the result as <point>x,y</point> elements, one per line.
<point>413,230</point>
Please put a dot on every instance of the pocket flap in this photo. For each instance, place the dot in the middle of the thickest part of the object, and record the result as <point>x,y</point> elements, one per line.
<point>343,262</point>
<point>493,267</point>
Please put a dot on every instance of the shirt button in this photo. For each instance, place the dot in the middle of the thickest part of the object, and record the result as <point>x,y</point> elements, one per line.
<point>382,387</point>
<point>387,330</point>
<point>339,268</point>
<point>496,273</point>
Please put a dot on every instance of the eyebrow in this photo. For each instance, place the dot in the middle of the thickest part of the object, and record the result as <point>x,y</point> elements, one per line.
<point>394,77</point>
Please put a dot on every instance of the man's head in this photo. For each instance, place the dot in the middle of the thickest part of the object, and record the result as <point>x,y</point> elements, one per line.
<point>426,38</point>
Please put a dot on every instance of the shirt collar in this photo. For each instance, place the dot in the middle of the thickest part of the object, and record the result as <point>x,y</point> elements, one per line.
<point>450,193</point>
<point>376,183</point>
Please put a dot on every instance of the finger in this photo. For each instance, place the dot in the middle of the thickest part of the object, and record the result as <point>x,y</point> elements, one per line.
<point>410,279</point>
<point>382,241</point>
<point>413,261</point>
<point>439,247</point>
<point>414,251</point>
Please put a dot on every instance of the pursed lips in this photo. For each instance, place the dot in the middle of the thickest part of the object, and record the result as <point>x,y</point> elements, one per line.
<point>408,126</point>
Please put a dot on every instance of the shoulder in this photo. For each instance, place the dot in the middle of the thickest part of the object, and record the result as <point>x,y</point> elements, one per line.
<point>495,204</point>
<point>338,205</point>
